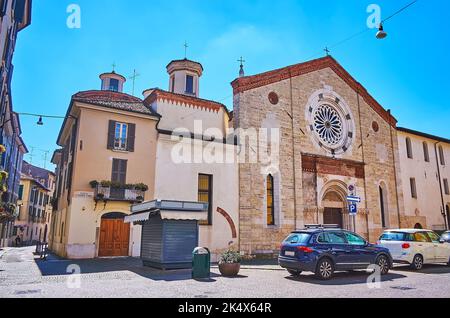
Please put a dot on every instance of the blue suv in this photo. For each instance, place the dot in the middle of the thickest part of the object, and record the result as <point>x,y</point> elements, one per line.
<point>326,249</point>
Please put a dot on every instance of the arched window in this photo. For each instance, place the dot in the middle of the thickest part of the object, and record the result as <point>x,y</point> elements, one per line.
<point>409,148</point>
<point>426,154</point>
<point>383,207</point>
<point>270,201</point>
<point>441,155</point>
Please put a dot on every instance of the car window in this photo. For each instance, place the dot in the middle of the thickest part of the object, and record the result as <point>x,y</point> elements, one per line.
<point>354,239</point>
<point>446,237</point>
<point>421,237</point>
<point>336,238</point>
<point>434,237</point>
<point>297,238</point>
<point>323,238</point>
<point>393,236</point>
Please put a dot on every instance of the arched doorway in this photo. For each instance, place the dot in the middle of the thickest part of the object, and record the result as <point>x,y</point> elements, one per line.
<point>333,208</point>
<point>114,236</point>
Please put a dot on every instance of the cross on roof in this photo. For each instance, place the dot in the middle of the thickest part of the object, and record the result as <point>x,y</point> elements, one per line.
<point>242,61</point>
<point>114,66</point>
<point>327,51</point>
<point>185,49</point>
<point>133,78</point>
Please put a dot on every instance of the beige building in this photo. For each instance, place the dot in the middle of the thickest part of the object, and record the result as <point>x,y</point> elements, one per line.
<point>425,171</point>
<point>36,190</point>
<point>335,140</point>
<point>105,165</point>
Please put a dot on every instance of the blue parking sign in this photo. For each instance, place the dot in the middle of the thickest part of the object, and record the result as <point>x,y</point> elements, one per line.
<point>353,208</point>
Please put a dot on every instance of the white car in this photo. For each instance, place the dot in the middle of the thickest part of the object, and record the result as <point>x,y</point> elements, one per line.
<point>416,247</point>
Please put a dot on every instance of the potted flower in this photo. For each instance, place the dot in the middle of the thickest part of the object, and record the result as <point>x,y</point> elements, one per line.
<point>141,187</point>
<point>2,149</point>
<point>3,175</point>
<point>230,263</point>
<point>94,184</point>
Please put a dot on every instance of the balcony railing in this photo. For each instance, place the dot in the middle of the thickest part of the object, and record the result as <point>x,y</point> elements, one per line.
<point>118,194</point>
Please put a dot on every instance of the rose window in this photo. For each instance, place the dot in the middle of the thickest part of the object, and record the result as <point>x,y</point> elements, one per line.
<point>328,125</point>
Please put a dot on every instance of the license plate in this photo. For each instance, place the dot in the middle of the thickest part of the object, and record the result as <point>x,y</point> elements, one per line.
<point>287,253</point>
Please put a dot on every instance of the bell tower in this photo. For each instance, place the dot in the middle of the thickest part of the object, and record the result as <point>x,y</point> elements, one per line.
<point>184,77</point>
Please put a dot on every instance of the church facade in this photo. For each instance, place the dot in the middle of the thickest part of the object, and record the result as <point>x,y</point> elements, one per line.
<point>335,140</point>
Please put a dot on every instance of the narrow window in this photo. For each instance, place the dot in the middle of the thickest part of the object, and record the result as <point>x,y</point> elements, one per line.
<point>172,84</point>
<point>441,155</point>
<point>189,84</point>
<point>270,201</point>
<point>412,181</point>
<point>383,212</point>
<point>446,188</point>
<point>205,195</point>
<point>21,192</point>
<point>121,136</point>
<point>426,154</point>
<point>114,85</point>
<point>409,148</point>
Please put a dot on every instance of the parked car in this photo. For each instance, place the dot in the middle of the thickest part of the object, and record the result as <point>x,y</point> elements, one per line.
<point>416,247</point>
<point>446,237</point>
<point>326,249</point>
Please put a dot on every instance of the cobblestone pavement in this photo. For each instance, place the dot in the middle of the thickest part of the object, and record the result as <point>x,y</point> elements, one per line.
<point>22,275</point>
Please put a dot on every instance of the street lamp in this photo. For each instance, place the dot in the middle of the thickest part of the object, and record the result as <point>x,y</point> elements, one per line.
<point>381,34</point>
<point>40,121</point>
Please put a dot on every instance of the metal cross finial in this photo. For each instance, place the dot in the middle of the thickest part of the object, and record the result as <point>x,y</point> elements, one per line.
<point>241,70</point>
<point>327,51</point>
<point>114,66</point>
<point>185,49</point>
<point>133,78</point>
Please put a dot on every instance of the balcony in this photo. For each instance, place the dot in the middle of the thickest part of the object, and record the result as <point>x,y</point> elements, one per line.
<point>123,193</point>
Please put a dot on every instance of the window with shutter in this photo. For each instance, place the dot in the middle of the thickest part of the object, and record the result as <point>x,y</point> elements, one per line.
<point>19,10</point>
<point>131,137</point>
<point>119,171</point>
<point>3,6</point>
<point>111,134</point>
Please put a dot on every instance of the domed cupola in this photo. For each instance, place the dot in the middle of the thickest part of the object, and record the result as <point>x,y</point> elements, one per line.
<point>112,82</point>
<point>185,77</point>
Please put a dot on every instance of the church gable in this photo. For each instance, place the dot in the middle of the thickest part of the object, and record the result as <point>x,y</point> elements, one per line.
<point>244,84</point>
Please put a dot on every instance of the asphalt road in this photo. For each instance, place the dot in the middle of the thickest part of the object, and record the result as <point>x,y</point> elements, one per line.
<point>21,275</point>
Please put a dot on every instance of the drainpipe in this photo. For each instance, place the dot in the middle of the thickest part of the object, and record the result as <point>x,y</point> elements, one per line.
<point>364,162</point>
<point>293,153</point>
<point>395,172</point>
<point>443,213</point>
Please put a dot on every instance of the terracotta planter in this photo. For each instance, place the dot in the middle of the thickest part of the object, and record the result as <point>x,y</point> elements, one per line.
<point>229,270</point>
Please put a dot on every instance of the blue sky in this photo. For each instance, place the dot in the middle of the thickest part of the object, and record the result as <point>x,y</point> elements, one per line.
<point>407,72</point>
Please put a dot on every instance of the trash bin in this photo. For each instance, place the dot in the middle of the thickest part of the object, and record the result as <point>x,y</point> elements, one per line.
<point>201,263</point>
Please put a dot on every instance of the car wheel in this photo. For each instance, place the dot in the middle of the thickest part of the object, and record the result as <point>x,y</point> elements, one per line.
<point>417,263</point>
<point>294,273</point>
<point>383,263</point>
<point>325,269</point>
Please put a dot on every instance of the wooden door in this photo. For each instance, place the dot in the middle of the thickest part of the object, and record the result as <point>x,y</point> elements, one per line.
<point>333,216</point>
<point>114,238</point>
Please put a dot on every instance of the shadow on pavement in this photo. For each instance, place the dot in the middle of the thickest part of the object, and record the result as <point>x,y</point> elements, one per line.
<point>55,266</point>
<point>427,269</point>
<point>343,278</point>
